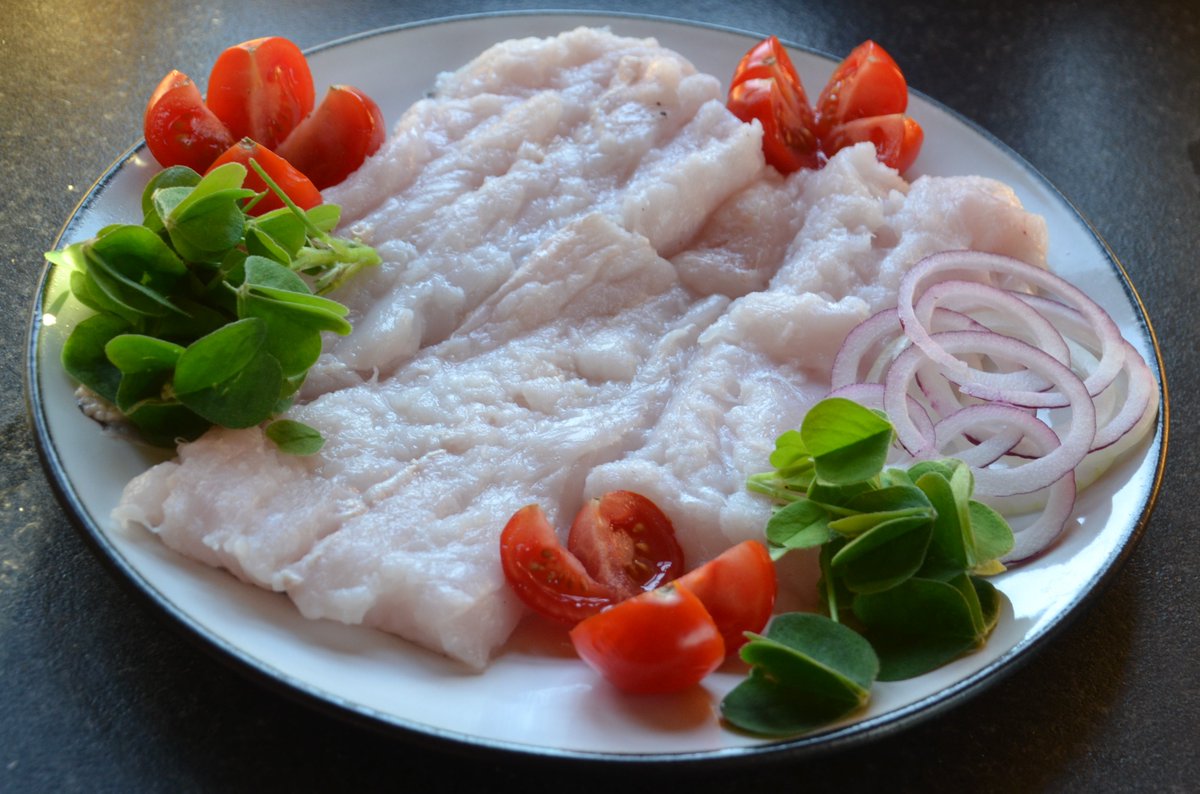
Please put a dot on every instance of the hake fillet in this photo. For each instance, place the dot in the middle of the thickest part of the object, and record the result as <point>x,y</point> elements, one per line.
<point>395,523</point>
<point>590,282</point>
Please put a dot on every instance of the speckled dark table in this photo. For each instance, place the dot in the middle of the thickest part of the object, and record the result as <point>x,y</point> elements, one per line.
<point>98,692</point>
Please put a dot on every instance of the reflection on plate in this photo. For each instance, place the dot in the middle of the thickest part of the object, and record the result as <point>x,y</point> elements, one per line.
<point>536,697</point>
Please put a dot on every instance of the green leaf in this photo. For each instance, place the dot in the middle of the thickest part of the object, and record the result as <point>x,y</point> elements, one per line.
<point>918,626</point>
<point>992,535</point>
<point>83,354</point>
<point>244,399</point>
<point>879,505</point>
<point>228,377</point>
<point>135,353</point>
<point>849,443</point>
<point>207,229</point>
<point>293,334</point>
<point>790,454</point>
<point>295,438</point>
<point>280,231</point>
<point>138,388</point>
<point>807,672</point>
<point>943,467</point>
<point>139,254</point>
<point>130,299</point>
<point>837,495</point>
<point>87,292</point>
<point>165,422</point>
<point>219,356</point>
<point>205,221</point>
<point>831,645</point>
<point>198,319</point>
<point>179,176</point>
<point>948,546</point>
<point>259,243</point>
<point>990,601</point>
<point>324,217</point>
<point>884,556</point>
<point>288,294</point>
<point>890,498</point>
<point>799,525</point>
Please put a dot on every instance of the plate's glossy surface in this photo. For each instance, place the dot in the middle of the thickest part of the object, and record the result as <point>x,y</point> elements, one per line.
<point>536,697</point>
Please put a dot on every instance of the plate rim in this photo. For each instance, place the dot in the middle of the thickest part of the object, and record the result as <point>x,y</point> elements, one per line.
<point>825,741</point>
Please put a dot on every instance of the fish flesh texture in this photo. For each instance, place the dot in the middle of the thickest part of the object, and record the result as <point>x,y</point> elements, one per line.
<point>590,281</point>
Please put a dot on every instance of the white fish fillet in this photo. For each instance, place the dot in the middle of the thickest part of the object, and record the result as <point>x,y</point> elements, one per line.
<point>527,138</point>
<point>767,359</point>
<point>395,523</point>
<point>590,282</point>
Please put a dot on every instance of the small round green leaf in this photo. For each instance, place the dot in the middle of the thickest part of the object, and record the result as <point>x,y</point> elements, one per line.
<point>295,438</point>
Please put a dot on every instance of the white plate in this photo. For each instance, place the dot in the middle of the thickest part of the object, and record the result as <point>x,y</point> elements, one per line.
<point>536,697</point>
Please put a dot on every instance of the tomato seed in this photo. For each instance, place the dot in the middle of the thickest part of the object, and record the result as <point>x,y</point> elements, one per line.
<point>638,569</point>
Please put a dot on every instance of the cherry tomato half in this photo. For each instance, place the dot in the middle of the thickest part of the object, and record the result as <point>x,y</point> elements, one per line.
<point>867,83</point>
<point>626,542</point>
<point>544,575</point>
<point>261,89</point>
<point>179,127</point>
<point>346,128</point>
<point>295,184</point>
<point>738,588</point>
<point>765,86</point>
<point>661,641</point>
<point>897,138</point>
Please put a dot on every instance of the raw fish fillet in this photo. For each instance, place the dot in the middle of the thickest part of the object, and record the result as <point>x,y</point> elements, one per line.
<point>590,281</point>
<point>532,135</point>
<point>767,359</point>
<point>395,522</point>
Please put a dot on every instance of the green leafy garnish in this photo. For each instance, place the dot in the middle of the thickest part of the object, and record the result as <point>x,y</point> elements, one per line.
<point>806,671</point>
<point>295,438</point>
<point>203,313</point>
<point>902,551</point>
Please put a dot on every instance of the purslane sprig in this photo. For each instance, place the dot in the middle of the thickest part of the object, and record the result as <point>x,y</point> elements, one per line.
<point>201,313</point>
<point>902,552</point>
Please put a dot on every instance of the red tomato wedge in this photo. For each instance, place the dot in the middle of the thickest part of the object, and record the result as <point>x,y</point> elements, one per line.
<point>544,575</point>
<point>867,83</point>
<point>295,184</point>
<point>179,127</point>
<point>624,540</point>
<point>261,89</point>
<point>897,138</point>
<point>661,641</point>
<point>738,589</point>
<point>346,128</point>
<point>765,86</point>
<point>864,100</point>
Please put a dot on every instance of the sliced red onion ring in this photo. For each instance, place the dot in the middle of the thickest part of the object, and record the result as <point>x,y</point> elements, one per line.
<point>1038,394</point>
<point>982,384</point>
<point>1033,475</point>
<point>1141,388</point>
<point>973,296</point>
<point>864,340</point>
<point>1054,503</point>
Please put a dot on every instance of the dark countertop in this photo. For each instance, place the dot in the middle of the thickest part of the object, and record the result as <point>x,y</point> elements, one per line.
<point>99,693</point>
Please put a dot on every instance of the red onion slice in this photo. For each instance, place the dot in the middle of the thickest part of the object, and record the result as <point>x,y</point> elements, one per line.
<point>863,341</point>
<point>1036,474</point>
<point>985,264</point>
<point>969,296</point>
<point>1039,394</point>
